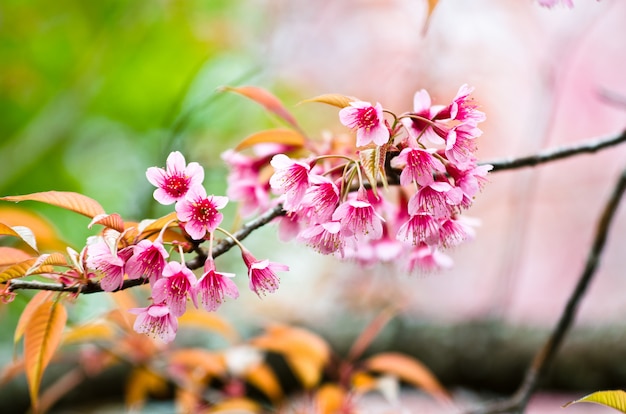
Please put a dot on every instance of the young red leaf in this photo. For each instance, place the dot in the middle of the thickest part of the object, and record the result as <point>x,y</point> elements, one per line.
<point>614,399</point>
<point>334,99</point>
<point>273,136</point>
<point>42,337</point>
<point>76,202</point>
<point>409,370</point>
<point>263,97</point>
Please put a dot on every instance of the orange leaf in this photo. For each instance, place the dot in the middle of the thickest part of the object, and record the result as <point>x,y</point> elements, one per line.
<point>76,202</point>
<point>11,255</point>
<point>21,232</point>
<point>263,97</point>
<point>44,232</point>
<point>28,312</point>
<point>197,362</point>
<point>42,263</point>
<point>330,399</point>
<point>409,370</point>
<point>305,352</point>
<point>210,322</point>
<point>273,136</point>
<point>141,383</point>
<point>237,405</point>
<point>334,99</point>
<point>42,337</point>
<point>113,221</point>
<point>90,332</point>
<point>262,377</point>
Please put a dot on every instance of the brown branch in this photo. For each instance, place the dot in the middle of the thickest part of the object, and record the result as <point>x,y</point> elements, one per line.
<point>543,358</point>
<point>557,153</point>
<point>197,262</point>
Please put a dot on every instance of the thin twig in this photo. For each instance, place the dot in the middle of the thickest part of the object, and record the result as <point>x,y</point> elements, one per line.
<point>543,359</point>
<point>219,249</point>
<point>557,153</point>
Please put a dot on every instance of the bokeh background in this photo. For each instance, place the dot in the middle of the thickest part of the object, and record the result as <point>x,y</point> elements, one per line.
<point>93,93</point>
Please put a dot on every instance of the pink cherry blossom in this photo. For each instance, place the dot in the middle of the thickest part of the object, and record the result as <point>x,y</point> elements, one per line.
<point>176,179</point>
<point>320,200</point>
<point>291,178</point>
<point>453,231</point>
<point>261,273</point>
<point>156,321</point>
<point>104,257</point>
<point>368,121</point>
<point>214,286</point>
<point>423,122</point>
<point>417,165</point>
<point>148,260</point>
<point>437,198</point>
<point>199,212</point>
<point>420,228</point>
<point>426,258</point>
<point>461,146</point>
<point>358,217</point>
<point>174,287</point>
<point>326,238</point>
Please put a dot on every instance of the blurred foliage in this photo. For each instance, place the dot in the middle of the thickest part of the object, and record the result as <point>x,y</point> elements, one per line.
<point>92,93</point>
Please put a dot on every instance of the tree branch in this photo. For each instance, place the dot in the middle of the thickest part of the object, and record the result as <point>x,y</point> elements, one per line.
<point>557,153</point>
<point>219,249</point>
<point>543,359</point>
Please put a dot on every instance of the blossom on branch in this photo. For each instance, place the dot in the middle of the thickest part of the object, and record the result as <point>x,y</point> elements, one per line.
<point>214,286</point>
<point>156,321</point>
<point>173,289</point>
<point>367,120</point>
<point>261,273</point>
<point>176,179</point>
<point>200,212</point>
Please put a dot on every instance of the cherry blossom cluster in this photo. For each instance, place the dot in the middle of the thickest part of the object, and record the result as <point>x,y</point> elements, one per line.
<point>394,192</point>
<point>172,283</point>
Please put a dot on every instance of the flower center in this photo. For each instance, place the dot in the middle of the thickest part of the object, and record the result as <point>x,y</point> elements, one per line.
<point>204,211</point>
<point>367,118</point>
<point>176,185</point>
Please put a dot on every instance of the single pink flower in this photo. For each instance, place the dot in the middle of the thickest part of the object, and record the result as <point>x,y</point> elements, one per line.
<point>420,228</point>
<point>470,181</point>
<point>437,198</point>
<point>320,200</point>
<point>104,257</point>
<point>199,212</point>
<point>423,120</point>
<point>214,286</point>
<point>427,259</point>
<point>326,238</point>
<point>417,165</point>
<point>368,121</point>
<point>291,178</point>
<point>156,321</point>
<point>261,273</point>
<point>148,260</point>
<point>454,231</point>
<point>174,287</point>
<point>358,217</point>
<point>461,146</point>
<point>176,179</point>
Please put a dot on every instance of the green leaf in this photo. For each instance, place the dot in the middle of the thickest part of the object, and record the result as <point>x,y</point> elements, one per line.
<point>65,199</point>
<point>614,399</point>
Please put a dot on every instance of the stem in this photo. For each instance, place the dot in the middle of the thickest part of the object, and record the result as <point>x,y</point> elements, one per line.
<point>543,358</point>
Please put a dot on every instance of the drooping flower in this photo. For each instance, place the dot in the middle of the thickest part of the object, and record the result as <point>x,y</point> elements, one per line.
<point>175,287</point>
<point>461,146</point>
<point>437,198</point>
<point>214,286</point>
<point>420,228</point>
<point>291,178</point>
<point>368,121</point>
<point>358,217</point>
<point>148,260</point>
<point>176,179</point>
<point>261,273</point>
<point>427,259</point>
<point>199,212</point>
<point>103,255</point>
<point>326,237</point>
<point>156,321</point>
<point>321,199</point>
<point>454,230</point>
<point>417,165</point>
